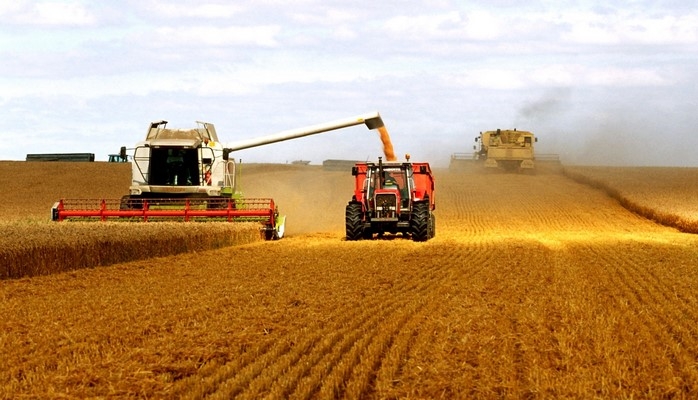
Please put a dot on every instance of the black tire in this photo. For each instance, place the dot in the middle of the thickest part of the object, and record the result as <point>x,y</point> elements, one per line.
<point>131,203</point>
<point>355,230</point>
<point>270,233</point>
<point>216,203</point>
<point>125,204</point>
<point>419,225</point>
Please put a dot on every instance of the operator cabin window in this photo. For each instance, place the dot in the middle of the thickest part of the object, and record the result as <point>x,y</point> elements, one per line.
<point>174,166</point>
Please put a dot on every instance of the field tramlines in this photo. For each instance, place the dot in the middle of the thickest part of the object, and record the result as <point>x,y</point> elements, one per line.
<point>535,286</point>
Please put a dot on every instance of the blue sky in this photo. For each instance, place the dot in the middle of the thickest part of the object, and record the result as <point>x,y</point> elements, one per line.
<point>605,83</point>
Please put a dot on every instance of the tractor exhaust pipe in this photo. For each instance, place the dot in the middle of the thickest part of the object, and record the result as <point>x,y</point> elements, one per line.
<point>372,121</point>
<point>381,177</point>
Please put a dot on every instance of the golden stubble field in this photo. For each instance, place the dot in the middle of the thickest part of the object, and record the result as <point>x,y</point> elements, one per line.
<point>535,286</point>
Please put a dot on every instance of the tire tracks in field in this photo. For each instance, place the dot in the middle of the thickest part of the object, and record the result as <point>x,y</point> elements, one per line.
<point>376,356</point>
<point>670,322</point>
<point>361,350</point>
<point>654,292</point>
<point>459,205</point>
<point>358,350</point>
<point>507,204</point>
<point>460,264</point>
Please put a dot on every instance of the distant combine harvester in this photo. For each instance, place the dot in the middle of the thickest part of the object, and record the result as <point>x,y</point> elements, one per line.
<point>89,157</point>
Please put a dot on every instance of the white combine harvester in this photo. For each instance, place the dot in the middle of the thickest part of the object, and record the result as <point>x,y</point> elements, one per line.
<point>187,174</point>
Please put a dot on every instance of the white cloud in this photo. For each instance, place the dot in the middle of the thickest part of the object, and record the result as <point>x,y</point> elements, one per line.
<point>262,36</point>
<point>626,28</point>
<point>197,77</point>
<point>234,79</point>
<point>193,10</point>
<point>560,75</point>
<point>489,78</point>
<point>578,75</point>
<point>625,77</point>
<point>8,8</point>
<point>472,25</point>
<point>344,33</point>
<point>327,17</point>
<point>51,13</point>
<point>560,26</point>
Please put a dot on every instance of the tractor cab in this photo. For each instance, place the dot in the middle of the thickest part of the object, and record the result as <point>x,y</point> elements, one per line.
<point>389,180</point>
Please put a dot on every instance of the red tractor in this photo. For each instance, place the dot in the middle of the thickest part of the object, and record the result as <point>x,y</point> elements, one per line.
<point>392,197</point>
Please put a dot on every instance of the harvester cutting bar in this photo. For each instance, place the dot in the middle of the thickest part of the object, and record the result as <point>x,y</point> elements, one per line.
<point>261,210</point>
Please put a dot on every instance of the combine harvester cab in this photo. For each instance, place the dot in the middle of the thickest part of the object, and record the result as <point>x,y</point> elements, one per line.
<point>391,198</point>
<point>188,175</point>
<point>180,163</point>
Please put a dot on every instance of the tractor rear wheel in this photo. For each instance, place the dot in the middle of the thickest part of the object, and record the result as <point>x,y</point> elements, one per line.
<point>432,226</point>
<point>419,225</point>
<point>355,230</point>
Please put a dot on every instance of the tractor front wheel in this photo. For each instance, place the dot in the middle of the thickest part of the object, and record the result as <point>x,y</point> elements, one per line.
<point>355,230</point>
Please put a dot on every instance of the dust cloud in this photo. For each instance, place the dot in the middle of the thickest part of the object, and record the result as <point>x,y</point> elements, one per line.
<point>623,127</point>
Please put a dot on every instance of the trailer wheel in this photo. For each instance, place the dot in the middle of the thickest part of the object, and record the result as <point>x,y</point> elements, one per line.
<point>420,222</point>
<point>355,230</point>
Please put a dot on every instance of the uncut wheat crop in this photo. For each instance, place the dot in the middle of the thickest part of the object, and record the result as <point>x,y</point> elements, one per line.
<point>666,195</point>
<point>32,245</point>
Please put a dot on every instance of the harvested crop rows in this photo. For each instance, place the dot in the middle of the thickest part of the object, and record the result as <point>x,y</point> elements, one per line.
<point>534,287</point>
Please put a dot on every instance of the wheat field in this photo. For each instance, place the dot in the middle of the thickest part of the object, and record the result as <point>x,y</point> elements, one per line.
<point>665,195</point>
<point>535,286</point>
<point>30,245</point>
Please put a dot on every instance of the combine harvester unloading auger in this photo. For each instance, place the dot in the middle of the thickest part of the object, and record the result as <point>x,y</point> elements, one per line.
<point>188,175</point>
